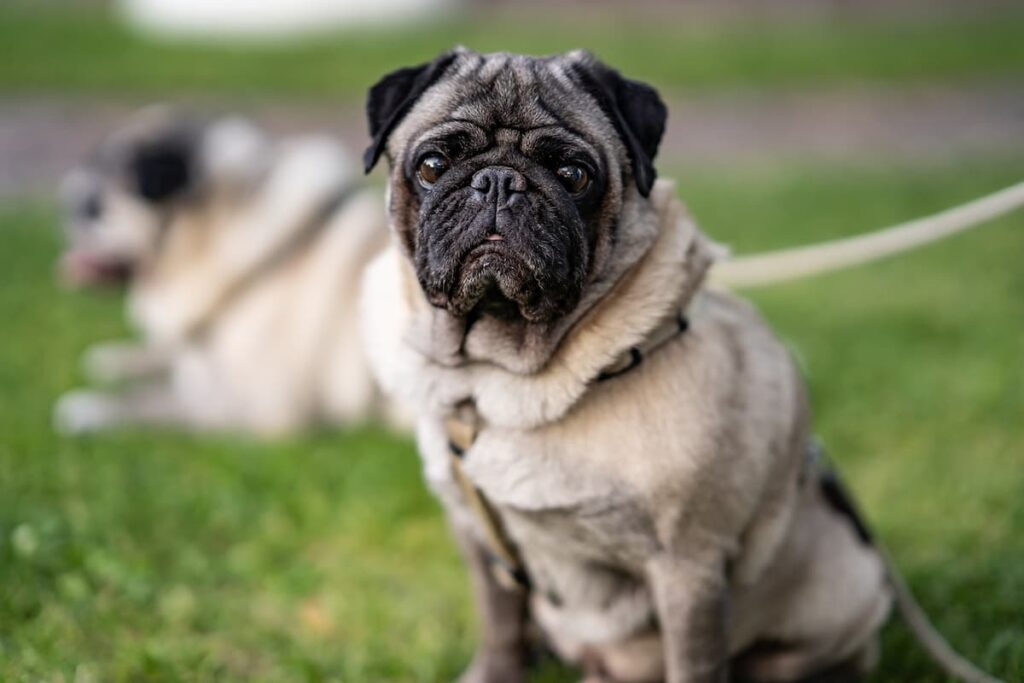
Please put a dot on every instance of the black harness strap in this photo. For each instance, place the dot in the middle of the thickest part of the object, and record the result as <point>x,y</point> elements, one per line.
<point>842,502</point>
<point>635,354</point>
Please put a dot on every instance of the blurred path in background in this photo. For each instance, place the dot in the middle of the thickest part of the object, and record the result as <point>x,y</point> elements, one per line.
<point>43,136</point>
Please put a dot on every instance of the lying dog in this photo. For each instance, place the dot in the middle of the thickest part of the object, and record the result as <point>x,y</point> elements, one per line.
<point>243,259</point>
<point>623,454</point>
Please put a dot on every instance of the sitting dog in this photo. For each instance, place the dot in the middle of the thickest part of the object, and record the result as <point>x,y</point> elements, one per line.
<point>623,454</point>
<point>242,258</point>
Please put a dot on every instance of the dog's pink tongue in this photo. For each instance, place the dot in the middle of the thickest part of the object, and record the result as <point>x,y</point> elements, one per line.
<point>79,269</point>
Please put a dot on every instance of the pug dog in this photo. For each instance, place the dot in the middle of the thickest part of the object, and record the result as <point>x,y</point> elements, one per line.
<point>623,453</point>
<point>242,258</point>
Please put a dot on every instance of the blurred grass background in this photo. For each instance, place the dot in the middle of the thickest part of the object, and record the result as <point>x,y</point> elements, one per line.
<point>162,557</point>
<point>96,54</point>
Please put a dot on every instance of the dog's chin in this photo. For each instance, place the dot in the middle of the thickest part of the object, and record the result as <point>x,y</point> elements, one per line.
<point>494,282</point>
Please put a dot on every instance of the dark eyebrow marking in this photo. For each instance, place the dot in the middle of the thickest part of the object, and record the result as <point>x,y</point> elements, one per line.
<point>522,129</point>
<point>468,122</point>
<point>447,129</point>
<point>547,109</point>
<point>563,138</point>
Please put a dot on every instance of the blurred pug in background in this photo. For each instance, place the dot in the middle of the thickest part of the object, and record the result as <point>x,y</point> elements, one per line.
<point>242,258</point>
<point>623,454</point>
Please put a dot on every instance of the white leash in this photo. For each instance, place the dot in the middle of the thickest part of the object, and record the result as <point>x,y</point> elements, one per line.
<point>789,264</point>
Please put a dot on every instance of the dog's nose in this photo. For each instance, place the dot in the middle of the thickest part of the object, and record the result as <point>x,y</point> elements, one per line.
<point>91,207</point>
<point>498,183</point>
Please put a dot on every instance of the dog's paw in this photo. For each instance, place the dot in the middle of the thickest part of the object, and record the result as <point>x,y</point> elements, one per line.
<point>102,364</point>
<point>109,363</point>
<point>117,362</point>
<point>80,412</point>
<point>494,668</point>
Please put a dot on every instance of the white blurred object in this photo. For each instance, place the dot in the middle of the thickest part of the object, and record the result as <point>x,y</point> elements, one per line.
<point>273,18</point>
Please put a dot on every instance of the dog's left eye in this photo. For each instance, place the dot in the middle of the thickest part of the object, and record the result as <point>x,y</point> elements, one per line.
<point>575,178</point>
<point>431,169</point>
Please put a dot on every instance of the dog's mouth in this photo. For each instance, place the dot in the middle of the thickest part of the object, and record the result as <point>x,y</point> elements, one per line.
<point>78,268</point>
<point>494,280</point>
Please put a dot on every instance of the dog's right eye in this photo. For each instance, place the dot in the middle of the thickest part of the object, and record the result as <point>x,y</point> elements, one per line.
<point>575,178</point>
<point>431,169</point>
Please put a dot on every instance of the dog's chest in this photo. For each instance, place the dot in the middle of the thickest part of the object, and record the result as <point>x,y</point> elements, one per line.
<point>581,532</point>
<point>613,531</point>
<point>552,495</point>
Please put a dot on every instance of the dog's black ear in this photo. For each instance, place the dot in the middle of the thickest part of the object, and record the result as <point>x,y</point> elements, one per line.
<point>163,168</point>
<point>393,96</point>
<point>636,111</point>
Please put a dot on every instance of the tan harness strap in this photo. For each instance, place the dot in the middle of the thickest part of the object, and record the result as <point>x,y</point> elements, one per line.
<point>318,221</point>
<point>463,426</point>
<point>506,565</point>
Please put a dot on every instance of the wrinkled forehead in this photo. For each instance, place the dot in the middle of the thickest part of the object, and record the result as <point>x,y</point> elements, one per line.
<point>510,91</point>
<point>504,92</point>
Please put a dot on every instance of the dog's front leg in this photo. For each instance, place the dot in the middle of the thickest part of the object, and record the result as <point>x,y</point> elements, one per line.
<point>83,411</point>
<point>691,598</point>
<point>502,615</point>
<point>124,361</point>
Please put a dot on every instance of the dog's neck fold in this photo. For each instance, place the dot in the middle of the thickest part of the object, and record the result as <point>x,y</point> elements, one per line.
<point>652,273</point>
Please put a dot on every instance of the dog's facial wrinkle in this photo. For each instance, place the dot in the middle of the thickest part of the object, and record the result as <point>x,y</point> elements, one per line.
<point>534,265</point>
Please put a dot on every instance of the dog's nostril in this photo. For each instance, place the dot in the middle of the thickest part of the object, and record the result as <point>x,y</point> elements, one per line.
<point>516,182</point>
<point>91,208</point>
<point>481,181</point>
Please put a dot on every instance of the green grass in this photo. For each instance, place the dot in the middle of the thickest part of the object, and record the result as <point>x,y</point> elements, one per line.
<point>86,51</point>
<point>160,557</point>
